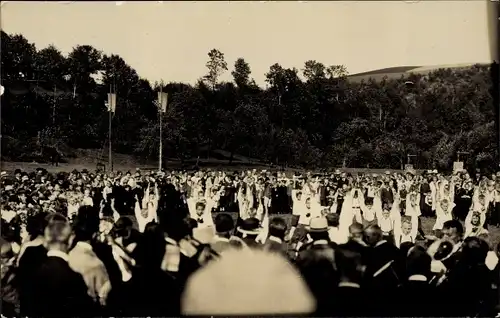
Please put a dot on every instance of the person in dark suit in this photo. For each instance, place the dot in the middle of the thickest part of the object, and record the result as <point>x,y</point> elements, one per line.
<point>415,296</point>
<point>142,295</point>
<point>276,240</point>
<point>467,286</point>
<point>383,271</point>
<point>32,255</point>
<point>355,241</point>
<point>316,262</point>
<point>349,298</point>
<point>453,231</point>
<point>224,225</point>
<point>59,291</point>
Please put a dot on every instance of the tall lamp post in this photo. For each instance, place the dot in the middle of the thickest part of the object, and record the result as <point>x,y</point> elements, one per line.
<point>162,109</point>
<point>111,105</point>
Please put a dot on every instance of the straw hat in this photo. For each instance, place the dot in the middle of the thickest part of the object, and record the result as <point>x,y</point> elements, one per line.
<point>247,282</point>
<point>318,224</point>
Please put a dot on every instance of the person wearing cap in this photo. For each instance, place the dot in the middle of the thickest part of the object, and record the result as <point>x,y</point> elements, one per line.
<point>247,232</point>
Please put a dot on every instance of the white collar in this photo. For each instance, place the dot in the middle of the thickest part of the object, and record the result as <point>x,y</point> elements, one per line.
<point>380,243</point>
<point>171,241</point>
<point>349,284</point>
<point>84,246</point>
<point>56,253</point>
<point>275,239</point>
<point>218,238</point>
<point>456,247</point>
<point>320,242</point>
<point>419,278</point>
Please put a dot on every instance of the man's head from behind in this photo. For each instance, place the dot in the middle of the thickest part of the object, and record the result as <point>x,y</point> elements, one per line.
<point>418,262</point>
<point>224,224</point>
<point>349,265</point>
<point>373,234</point>
<point>57,233</point>
<point>356,231</point>
<point>277,228</point>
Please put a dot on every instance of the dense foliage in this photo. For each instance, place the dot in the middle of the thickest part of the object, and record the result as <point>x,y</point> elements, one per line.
<point>311,117</point>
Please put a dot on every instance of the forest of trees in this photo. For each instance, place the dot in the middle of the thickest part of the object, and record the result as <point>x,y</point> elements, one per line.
<point>308,117</point>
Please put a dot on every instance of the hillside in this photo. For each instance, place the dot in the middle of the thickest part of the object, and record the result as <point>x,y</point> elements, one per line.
<point>399,71</point>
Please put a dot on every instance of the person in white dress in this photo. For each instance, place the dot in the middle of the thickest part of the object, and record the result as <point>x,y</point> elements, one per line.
<point>148,213</point>
<point>443,213</point>
<point>474,224</point>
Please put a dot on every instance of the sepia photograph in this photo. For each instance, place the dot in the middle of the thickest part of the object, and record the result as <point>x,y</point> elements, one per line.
<point>250,158</point>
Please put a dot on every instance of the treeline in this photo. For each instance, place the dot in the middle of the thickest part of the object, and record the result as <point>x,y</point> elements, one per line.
<point>312,117</point>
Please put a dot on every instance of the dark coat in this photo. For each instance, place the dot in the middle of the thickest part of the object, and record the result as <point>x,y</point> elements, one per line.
<point>59,291</point>
<point>316,262</point>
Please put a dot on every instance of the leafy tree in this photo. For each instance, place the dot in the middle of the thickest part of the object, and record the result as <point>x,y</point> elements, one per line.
<point>314,70</point>
<point>216,67</point>
<point>241,73</point>
<point>324,120</point>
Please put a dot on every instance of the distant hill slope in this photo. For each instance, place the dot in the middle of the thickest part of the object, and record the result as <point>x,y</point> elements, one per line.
<point>398,71</point>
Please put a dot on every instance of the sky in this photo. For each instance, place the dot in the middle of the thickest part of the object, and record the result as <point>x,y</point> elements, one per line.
<point>169,41</point>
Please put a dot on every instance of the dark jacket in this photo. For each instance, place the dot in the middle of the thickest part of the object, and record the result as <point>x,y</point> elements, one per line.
<point>59,291</point>
<point>316,262</point>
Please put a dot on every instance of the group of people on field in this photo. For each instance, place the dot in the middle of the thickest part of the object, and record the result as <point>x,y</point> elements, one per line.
<point>151,243</point>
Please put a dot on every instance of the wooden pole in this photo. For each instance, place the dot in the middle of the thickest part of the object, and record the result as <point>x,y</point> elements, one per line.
<point>161,142</point>
<point>54,107</point>
<point>110,152</point>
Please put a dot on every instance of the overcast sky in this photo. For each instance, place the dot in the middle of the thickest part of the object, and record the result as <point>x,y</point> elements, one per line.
<point>171,40</point>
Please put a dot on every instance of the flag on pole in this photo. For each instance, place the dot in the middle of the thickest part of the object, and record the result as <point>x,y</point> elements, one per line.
<point>111,104</point>
<point>162,101</point>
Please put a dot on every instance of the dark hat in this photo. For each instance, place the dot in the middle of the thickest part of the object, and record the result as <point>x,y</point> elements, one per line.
<point>17,171</point>
<point>444,250</point>
<point>250,226</point>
